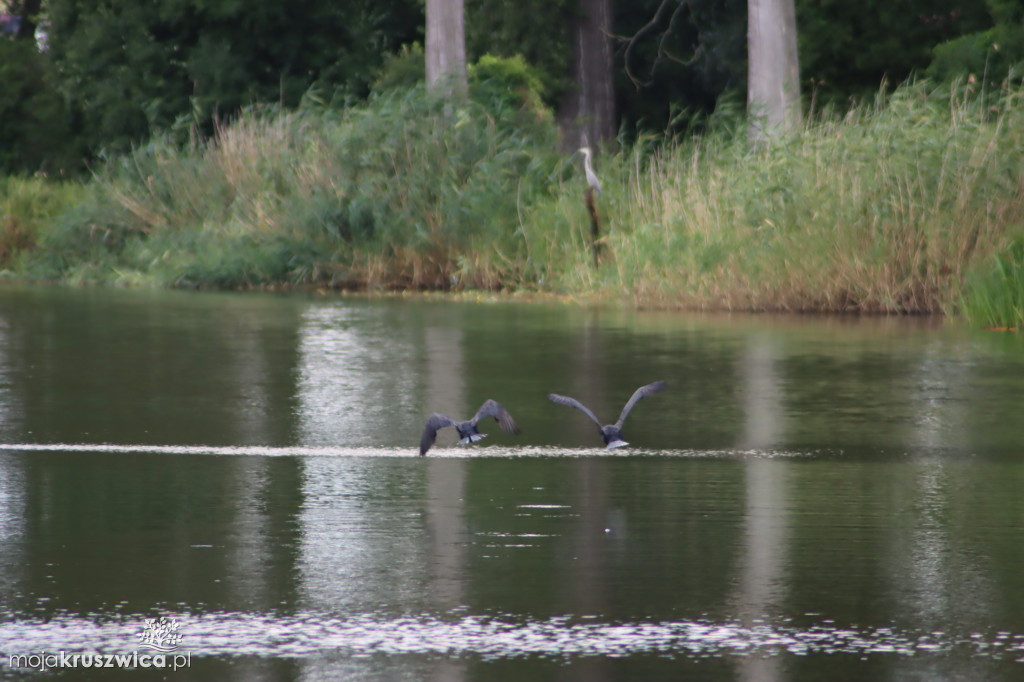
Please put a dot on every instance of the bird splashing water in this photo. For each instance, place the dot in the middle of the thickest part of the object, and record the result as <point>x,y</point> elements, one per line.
<point>467,429</point>
<point>611,433</point>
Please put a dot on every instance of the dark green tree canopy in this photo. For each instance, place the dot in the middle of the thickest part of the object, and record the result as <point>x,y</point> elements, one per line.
<point>993,51</point>
<point>676,59</point>
<point>130,68</point>
<point>117,71</point>
<point>537,31</point>
<point>847,50</point>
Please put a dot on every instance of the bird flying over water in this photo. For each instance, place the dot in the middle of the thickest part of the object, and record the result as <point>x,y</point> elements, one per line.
<point>467,429</point>
<point>589,170</point>
<point>612,433</point>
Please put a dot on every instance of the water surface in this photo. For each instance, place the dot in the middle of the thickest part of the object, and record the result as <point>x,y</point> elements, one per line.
<point>809,499</point>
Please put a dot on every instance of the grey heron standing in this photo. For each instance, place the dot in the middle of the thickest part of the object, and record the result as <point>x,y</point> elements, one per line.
<point>594,185</point>
<point>611,433</point>
<point>467,429</point>
<point>589,170</point>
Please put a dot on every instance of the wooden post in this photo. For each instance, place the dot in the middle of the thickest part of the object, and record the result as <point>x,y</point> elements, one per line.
<point>595,226</point>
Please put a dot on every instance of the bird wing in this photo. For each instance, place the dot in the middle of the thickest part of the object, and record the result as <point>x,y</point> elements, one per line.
<point>492,408</point>
<point>572,402</point>
<point>642,392</point>
<point>434,423</point>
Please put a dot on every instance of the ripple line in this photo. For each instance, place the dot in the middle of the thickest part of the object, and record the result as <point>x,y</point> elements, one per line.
<point>311,634</point>
<point>371,451</point>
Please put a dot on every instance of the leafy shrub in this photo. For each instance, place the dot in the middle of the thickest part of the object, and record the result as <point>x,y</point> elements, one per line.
<point>402,191</point>
<point>403,70</point>
<point>512,81</point>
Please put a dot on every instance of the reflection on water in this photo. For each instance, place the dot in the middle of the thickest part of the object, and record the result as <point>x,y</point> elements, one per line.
<point>807,496</point>
<point>496,637</point>
<point>351,383</point>
<point>762,585</point>
<point>12,527</point>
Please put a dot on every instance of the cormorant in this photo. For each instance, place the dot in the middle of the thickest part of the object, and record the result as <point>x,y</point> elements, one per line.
<point>612,433</point>
<point>467,429</point>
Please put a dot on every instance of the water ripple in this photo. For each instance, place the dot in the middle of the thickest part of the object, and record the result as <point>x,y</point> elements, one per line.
<point>367,451</point>
<point>311,634</point>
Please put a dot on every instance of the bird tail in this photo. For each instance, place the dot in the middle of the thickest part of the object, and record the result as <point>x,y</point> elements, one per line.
<point>617,443</point>
<point>472,438</point>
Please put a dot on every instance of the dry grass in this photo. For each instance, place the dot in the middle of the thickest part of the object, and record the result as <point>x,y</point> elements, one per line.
<point>885,213</point>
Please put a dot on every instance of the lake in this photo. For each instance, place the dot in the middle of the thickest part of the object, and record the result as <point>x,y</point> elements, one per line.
<point>227,486</point>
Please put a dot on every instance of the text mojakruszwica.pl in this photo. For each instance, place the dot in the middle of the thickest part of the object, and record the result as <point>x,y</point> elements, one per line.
<point>61,659</point>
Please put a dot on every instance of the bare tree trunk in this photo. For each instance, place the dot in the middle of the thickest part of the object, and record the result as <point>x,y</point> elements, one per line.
<point>446,46</point>
<point>587,115</point>
<point>773,69</point>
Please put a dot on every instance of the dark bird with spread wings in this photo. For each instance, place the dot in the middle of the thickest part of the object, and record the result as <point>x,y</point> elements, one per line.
<point>467,429</point>
<point>612,433</point>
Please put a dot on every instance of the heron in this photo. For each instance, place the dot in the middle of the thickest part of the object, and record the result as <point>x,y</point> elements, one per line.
<point>467,429</point>
<point>592,180</point>
<point>612,433</point>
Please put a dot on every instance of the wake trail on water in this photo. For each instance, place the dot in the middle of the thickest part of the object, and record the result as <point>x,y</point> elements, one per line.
<point>372,451</point>
<point>314,634</point>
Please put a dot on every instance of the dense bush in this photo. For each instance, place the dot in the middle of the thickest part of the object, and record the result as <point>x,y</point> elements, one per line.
<point>403,191</point>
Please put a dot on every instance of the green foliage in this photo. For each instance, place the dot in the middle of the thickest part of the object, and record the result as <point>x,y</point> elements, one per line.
<point>914,203</point>
<point>130,69</point>
<point>511,81</point>
<point>672,68</point>
<point>994,291</point>
<point>399,192</point>
<point>885,209</point>
<point>535,30</point>
<point>500,83</point>
<point>991,54</point>
<point>34,129</point>
<point>848,50</point>
<point>403,70</point>
<point>127,71</point>
<point>435,193</point>
<point>27,208</point>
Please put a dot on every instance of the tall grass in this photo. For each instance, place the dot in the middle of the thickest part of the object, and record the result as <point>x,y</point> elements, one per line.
<point>28,207</point>
<point>884,210</point>
<point>911,204</point>
<point>403,192</point>
<point>994,291</point>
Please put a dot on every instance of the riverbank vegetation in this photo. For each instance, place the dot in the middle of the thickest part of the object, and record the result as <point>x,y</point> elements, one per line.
<point>913,203</point>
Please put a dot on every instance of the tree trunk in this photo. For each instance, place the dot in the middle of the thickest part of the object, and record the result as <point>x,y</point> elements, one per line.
<point>28,10</point>
<point>587,114</point>
<point>773,69</point>
<point>446,47</point>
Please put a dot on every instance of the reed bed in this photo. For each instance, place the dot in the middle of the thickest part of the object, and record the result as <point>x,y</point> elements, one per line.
<point>911,204</point>
<point>887,209</point>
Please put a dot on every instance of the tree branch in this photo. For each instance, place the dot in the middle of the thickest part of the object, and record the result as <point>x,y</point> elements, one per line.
<point>664,37</point>
<point>663,53</point>
<point>649,26</point>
